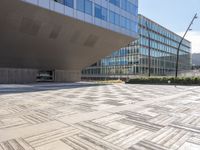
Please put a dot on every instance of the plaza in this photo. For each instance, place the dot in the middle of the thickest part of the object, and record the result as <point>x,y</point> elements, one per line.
<point>89,116</point>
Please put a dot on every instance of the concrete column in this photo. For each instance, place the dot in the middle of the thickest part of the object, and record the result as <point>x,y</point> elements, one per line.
<point>67,75</point>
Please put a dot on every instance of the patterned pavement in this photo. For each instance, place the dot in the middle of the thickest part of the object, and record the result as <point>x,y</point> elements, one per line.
<point>86,116</point>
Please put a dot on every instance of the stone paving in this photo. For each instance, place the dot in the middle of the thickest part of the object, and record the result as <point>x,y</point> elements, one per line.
<point>86,116</point>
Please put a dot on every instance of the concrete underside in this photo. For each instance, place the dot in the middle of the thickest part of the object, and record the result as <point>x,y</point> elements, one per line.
<point>36,38</point>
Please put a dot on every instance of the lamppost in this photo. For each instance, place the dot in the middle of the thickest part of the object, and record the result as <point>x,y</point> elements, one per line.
<point>127,58</point>
<point>149,46</point>
<point>178,50</point>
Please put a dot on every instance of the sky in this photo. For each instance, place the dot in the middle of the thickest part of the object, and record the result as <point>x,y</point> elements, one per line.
<point>175,15</point>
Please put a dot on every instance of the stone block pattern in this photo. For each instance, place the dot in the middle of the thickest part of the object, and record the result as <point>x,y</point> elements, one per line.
<point>88,116</point>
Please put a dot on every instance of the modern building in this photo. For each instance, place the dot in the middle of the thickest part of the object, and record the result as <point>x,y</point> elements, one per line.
<point>134,59</point>
<point>196,60</point>
<point>56,39</point>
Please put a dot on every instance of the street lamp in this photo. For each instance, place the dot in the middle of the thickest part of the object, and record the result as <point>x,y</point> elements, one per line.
<point>149,46</point>
<point>178,50</point>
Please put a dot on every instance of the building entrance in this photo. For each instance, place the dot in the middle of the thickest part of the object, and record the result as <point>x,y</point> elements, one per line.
<point>46,76</point>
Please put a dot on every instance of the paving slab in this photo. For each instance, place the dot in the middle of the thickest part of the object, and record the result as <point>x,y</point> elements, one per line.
<point>89,116</point>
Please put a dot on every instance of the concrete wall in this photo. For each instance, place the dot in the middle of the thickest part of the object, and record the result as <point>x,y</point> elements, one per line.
<point>67,76</point>
<point>22,76</point>
<point>17,76</point>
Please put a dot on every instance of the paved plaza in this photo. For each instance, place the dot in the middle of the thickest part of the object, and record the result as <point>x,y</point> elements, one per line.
<point>87,116</point>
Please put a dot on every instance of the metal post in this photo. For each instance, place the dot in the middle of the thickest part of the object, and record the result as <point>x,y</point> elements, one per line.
<point>177,57</point>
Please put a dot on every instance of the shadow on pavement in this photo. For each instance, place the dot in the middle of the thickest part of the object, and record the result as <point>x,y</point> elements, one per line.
<point>20,88</point>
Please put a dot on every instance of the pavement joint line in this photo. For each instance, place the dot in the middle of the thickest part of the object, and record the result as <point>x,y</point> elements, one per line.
<point>93,111</point>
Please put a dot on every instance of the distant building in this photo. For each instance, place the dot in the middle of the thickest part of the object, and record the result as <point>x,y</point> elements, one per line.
<point>196,60</point>
<point>134,59</point>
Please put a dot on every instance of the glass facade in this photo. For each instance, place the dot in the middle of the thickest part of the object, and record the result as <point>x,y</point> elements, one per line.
<point>116,15</point>
<point>84,6</point>
<point>134,59</point>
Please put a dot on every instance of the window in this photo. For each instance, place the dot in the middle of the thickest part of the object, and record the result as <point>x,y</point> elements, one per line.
<point>88,7</point>
<point>117,19</point>
<point>80,5</point>
<point>115,2</point>
<point>124,5</point>
<point>114,18</point>
<point>69,3</point>
<point>132,9</point>
<point>84,6</point>
<point>59,1</point>
<point>127,24</point>
<point>123,22</point>
<point>100,12</point>
<point>129,7</point>
<point>134,26</point>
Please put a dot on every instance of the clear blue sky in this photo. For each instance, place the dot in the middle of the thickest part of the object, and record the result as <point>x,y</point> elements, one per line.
<point>175,15</point>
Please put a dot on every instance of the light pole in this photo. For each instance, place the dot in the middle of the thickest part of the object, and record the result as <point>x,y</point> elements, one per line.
<point>127,57</point>
<point>177,57</point>
<point>149,46</point>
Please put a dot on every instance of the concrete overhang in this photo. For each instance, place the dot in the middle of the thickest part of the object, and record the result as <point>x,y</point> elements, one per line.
<point>34,37</point>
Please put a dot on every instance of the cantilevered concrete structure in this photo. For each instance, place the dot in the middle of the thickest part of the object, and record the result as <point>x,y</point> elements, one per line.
<point>47,35</point>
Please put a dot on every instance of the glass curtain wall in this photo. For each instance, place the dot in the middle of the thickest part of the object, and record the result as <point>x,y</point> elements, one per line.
<point>134,58</point>
<point>116,15</point>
